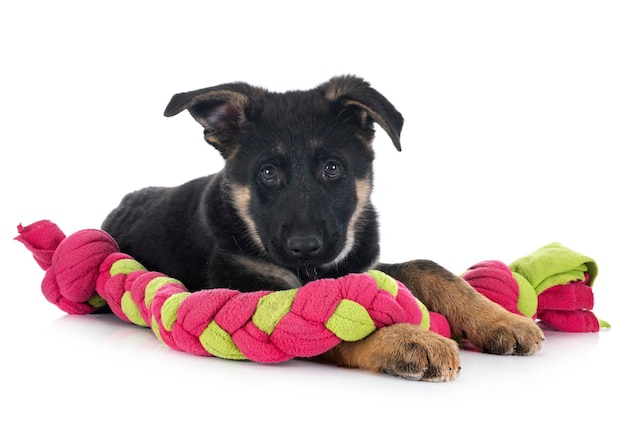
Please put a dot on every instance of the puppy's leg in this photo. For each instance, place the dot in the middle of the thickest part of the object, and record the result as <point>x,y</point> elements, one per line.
<point>485,324</point>
<point>404,350</point>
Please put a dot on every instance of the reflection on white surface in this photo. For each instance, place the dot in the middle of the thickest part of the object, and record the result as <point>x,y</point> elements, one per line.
<point>87,366</point>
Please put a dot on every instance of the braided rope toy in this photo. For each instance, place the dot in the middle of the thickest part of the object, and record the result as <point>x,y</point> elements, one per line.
<point>552,284</point>
<point>86,272</point>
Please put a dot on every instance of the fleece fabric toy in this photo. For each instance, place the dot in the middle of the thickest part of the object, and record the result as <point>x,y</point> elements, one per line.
<point>86,272</point>
<point>552,284</point>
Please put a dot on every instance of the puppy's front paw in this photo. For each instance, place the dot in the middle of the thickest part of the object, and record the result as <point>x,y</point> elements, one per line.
<point>506,333</point>
<point>403,350</point>
<point>418,355</point>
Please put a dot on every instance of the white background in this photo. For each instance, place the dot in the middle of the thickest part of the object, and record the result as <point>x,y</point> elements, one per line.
<point>514,138</point>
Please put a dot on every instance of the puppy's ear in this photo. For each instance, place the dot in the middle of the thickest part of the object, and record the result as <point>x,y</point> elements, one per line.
<point>358,98</point>
<point>221,110</point>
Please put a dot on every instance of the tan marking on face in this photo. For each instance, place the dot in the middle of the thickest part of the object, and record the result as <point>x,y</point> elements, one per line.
<point>363,192</point>
<point>241,199</point>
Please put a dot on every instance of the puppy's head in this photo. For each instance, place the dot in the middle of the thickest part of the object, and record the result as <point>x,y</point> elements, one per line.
<point>298,164</point>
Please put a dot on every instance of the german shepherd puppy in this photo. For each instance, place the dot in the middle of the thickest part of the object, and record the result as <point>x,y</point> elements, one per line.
<point>292,204</point>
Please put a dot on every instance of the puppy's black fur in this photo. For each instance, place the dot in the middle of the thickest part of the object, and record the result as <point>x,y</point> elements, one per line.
<point>292,204</point>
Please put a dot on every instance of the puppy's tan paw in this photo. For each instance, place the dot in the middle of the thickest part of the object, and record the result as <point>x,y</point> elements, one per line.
<point>507,334</point>
<point>403,350</point>
<point>420,356</point>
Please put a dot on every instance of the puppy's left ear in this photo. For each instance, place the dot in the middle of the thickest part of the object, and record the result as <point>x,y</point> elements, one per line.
<point>354,94</point>
<point>221,110</point>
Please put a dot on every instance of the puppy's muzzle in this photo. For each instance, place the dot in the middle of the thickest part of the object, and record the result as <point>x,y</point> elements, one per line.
<point>304,247</point>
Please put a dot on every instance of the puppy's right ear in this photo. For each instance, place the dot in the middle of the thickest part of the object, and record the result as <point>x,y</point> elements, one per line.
<point>221,110</point>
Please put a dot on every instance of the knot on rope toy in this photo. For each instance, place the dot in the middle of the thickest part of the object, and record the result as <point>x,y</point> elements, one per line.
<point>552,284</point>
<point>86,271</point>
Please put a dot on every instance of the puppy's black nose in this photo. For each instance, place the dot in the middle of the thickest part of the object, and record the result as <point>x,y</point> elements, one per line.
<point>304,246</point>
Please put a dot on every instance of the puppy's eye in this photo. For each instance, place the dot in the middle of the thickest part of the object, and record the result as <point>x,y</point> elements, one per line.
<point>332,169</point>
<point>268,175</point>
